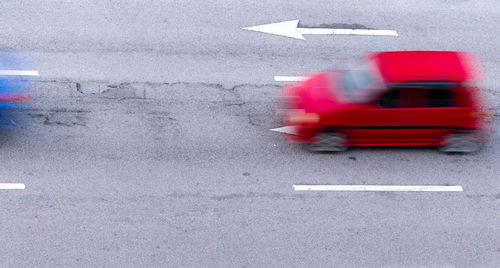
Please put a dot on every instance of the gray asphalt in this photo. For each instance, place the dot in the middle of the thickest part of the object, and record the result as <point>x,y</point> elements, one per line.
<point>147,142</point>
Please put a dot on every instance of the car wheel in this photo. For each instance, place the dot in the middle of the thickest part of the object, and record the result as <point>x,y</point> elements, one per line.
<point>328,142</point>
<point>461,142</point>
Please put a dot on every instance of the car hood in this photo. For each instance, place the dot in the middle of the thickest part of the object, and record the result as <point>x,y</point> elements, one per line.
<point>319,93</point>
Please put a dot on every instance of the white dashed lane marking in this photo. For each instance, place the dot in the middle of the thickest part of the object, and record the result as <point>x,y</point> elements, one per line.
<point>12,186</point>
<point>279,78</point>
<point>19,72</point>
<point>380,188</point>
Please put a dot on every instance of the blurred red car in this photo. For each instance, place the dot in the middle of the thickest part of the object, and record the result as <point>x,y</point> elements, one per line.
<point>407,98</point>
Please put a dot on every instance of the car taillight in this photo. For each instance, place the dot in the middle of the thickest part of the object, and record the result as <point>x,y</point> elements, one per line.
<point>15,98</point>
<point>481,115</point>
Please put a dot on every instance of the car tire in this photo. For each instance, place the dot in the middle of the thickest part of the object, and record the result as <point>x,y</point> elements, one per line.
<point>461,142</point>
<point>328,141</point>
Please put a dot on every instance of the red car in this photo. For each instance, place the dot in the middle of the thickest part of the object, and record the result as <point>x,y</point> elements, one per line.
<point>406,98</point>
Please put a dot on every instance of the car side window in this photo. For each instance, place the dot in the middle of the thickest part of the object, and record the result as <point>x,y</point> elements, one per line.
<point>413,97</point>
<point>418,95</point>
<point>389,99</point>
<point>440,95</point>
<point>404,96</point>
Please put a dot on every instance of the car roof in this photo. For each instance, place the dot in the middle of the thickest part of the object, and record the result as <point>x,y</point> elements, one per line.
<point>400,66</point>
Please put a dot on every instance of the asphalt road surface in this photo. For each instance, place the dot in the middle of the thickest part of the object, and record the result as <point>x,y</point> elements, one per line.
<point>147,143</point>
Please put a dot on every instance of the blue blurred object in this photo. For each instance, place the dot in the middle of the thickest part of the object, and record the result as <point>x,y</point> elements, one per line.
<point>17,76</point>
<point>17,79</point>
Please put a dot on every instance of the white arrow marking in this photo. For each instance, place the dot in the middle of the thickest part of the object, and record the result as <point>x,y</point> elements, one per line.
<point>12,186</point>
<point>19,72</point>
<point>286,129</point>
<point>279,78</point>
<point>290,29</point>
<point>379,188</point>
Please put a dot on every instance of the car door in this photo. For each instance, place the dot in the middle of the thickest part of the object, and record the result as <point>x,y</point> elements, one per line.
<point>441,115</point>
<point>406,114</point>
<point>378,121</point>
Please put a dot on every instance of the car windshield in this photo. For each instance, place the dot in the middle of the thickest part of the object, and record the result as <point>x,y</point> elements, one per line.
<point>356,79</point>
<point>360,82</point>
